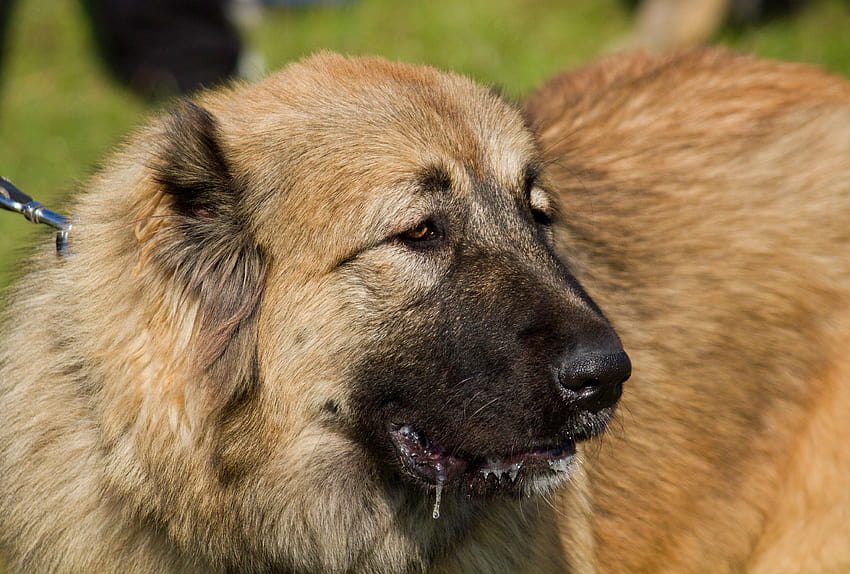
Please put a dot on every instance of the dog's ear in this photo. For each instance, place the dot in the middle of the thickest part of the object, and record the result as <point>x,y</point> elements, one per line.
<point>204,245</point>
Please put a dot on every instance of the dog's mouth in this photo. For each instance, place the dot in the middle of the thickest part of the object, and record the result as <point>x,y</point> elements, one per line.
<point>526,472</point>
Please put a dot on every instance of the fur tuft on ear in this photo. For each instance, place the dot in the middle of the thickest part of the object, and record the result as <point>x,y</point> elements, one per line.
<point>206,247</point>
<point>191,166</point>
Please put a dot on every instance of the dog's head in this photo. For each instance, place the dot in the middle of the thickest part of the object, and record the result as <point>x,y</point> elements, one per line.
<point>367,248</point>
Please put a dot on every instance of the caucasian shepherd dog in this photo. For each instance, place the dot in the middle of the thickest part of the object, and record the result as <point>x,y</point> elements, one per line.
<point>369,317</point>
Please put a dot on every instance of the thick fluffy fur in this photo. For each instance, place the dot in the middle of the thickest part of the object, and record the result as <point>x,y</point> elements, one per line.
<point>204,385</point>
<point>705,201</point>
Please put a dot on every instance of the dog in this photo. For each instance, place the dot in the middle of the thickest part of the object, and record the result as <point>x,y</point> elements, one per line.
<point>369,317</point>
<point>701,199</point>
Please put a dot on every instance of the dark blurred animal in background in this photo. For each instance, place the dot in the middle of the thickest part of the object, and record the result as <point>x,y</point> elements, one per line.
<point>160,48</point>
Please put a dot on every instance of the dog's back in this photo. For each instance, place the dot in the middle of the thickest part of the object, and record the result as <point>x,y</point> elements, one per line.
<point>705,204</point>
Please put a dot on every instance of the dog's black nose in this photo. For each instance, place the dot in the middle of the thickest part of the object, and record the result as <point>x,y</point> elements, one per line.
<point>595,380</point>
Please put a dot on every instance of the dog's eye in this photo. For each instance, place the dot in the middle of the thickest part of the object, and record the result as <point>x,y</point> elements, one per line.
<point>541,217</point>
<point>425,232</point>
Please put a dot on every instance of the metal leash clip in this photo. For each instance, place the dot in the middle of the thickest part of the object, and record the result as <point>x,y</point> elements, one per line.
<point>14,199</point>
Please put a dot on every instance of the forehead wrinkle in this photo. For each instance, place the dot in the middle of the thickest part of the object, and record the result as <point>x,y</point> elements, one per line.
<point>434,178</point>
<point>514,161</point>
<point>414,118</point>
<point>505,142</point>
<point>357,128</point>
<point>491,200</point>
<point>422,130</point>
<point>459,123</point>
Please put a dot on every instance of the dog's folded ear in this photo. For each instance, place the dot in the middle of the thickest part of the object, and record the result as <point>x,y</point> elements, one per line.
<point>204,244</point>
<point>192,168</point>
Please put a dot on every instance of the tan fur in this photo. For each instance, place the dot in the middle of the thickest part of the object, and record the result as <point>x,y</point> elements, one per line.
<point>705,201</point>
<point>702,202</point>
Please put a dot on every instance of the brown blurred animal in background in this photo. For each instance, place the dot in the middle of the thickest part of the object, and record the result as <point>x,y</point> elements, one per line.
<point>667,25</point>
<point>304,318</point>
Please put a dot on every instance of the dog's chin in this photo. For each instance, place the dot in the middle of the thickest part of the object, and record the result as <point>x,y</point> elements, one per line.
<point>526,472</point>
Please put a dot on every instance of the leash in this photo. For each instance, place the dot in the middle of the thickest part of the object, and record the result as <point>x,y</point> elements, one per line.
<point>14,199</point>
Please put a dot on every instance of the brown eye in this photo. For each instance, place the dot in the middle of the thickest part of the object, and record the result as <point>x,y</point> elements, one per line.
<point>422,233</point>
<point>541,217</point>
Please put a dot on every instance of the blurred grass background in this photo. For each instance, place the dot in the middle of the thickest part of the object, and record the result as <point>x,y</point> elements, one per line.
<point>60,113</point>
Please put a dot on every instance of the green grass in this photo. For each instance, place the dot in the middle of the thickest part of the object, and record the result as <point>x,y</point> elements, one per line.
<point>60,113</point>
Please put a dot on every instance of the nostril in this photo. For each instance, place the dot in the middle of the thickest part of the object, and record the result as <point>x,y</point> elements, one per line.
<point>596,379</point>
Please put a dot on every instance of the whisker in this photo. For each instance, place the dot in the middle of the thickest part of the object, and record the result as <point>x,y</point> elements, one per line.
<point>484,406</point>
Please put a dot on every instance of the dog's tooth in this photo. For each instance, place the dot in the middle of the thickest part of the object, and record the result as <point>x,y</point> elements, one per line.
<point>514,470</point>
<point>487,471</point>
<point>562,464</point>
<point>511,471</point>
<point>490,468</point>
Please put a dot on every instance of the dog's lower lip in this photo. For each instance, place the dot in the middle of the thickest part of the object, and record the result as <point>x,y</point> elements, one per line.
<point>432,463</point>
<point>428,460</point>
